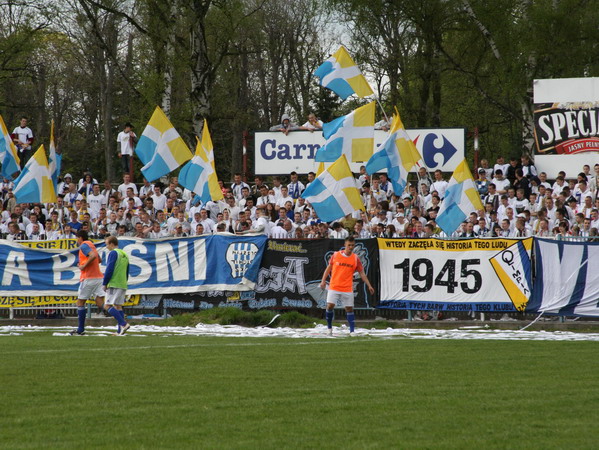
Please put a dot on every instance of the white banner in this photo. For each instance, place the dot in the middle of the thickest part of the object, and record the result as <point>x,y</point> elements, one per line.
<point>277,154</point>
<point>435,274</point>
<point>567,279</point>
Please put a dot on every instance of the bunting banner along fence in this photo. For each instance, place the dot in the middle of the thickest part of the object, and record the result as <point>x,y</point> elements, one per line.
<point>485,275</point>
<point>156,266</point>
<point>252,272</point>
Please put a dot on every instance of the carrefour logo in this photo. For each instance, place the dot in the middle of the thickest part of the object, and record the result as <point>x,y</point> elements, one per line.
<point>436,144</point>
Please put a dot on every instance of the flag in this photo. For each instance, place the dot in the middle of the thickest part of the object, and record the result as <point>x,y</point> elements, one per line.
<point>8,153</point>
<point>340,74</point>
<point>34,184</point>
<point>160,147</point>
<point>461,198</point>
<point>198,175</point>
<point>397,154</point>
<point>320,169</point>
<point>334,193</point>
<point>352,135</point>
<point>54,160</point>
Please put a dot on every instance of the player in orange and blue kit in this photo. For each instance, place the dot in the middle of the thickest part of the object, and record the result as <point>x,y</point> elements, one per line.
<point>91,278</point>
<point>341,267</point>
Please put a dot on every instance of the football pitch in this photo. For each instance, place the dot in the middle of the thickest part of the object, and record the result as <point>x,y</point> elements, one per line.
<point>364,392</point>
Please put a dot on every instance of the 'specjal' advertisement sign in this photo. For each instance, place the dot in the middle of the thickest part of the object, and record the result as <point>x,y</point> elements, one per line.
<point>566,127</point>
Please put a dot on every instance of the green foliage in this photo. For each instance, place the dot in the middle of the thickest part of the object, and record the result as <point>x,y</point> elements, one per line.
<point>441,62</point>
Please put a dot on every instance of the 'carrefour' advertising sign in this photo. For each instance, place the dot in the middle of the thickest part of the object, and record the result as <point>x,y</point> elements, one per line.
<point>277,154</point>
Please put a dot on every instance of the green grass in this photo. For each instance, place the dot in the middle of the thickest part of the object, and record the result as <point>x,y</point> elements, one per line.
<point>200,392</point>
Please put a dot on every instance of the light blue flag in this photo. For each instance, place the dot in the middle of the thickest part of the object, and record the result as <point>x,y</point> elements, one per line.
<point>397,154</point>
<point>8,153</point>
<point>461,198</point>
<point>351,135</point>
<point>160,147</point>
<point>54,159</point>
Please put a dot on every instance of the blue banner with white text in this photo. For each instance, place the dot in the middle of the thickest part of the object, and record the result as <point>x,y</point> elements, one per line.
<point>184,265</point>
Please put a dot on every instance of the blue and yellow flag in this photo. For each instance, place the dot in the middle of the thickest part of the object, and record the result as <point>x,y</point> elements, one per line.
<point>461,198</point>
<point>340,74</point>
<point>199,175</point>
<point>35,185</point>
<point>54,159</point>
<point>334,193</point>
<point>351,135</point>
<point>397,154</point>
<point>160,147</point>
<point>9,157</point>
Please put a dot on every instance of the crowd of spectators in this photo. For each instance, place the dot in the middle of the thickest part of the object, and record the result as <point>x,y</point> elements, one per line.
<point>518,202</point>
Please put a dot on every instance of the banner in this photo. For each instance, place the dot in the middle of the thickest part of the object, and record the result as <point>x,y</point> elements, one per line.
<point>435,274</point>
<point>566,124</point>
<point>156,266</point>
<point>57,244</point>
<point>276,153</point>
<point>566,128</point>
<point>291,272</point>
<point>51,300</point>
<point>567,279</point>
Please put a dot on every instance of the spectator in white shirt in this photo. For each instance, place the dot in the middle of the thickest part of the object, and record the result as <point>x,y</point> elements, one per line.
<point>159,198</point>
<point>295,187</point>
<point>22,136</point>
<point>338,231</point>
<point>312,124</point>
<point>501,183</point>
<point>285,197</point>
<point>237,185</point>
<point>439,185</point>
<point>126,184</point>
<point>126,140</point>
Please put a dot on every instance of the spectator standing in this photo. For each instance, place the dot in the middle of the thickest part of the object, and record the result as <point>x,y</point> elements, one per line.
<point>22,136</point>
<point>126,140</point>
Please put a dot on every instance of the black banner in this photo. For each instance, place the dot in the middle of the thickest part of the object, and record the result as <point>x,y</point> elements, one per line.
<point>289,278</point>
<point>291,271</point>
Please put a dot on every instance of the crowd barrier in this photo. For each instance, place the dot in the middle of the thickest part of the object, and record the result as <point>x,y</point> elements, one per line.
<point>452,276</point>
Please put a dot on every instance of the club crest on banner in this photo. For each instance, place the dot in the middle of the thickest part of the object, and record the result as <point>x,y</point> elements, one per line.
<point>513,267</point>
<point>239,256</point>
